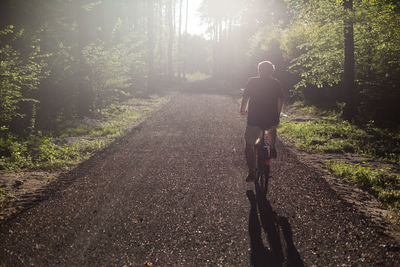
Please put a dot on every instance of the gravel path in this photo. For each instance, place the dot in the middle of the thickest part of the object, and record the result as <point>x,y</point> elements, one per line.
<point>172,193</point>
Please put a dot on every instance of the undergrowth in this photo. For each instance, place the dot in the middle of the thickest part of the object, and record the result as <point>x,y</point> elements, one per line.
<point>197,76</point>
<point>322,136</point>
<point>330,134</point>
<point>380,183</point>
<point>38,152</point>
<point>41,152</point>
<point>327,114</point>
<point>336,136</point>
<point>3,196</point>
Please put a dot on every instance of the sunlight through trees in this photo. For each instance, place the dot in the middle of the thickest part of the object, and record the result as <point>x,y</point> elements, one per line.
<point>62,60</point>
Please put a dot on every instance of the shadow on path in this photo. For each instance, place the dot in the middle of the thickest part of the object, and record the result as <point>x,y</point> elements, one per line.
<point>281,251</point>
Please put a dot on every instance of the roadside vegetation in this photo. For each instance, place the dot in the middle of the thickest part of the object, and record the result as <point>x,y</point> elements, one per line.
<point>330,134</point>
<point>66,69</point>
<point>197,76</point>
<point>74,79</point>
<point>69,143</point>
<point>74,141</point>
<point>384,185</point>
<point>327,133</point>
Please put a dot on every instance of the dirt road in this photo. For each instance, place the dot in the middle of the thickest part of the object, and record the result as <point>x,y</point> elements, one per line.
<point>172,193</point>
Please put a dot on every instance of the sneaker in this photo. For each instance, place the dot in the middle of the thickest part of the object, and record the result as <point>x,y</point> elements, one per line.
<point>251,177</point>
<point>272,153</point>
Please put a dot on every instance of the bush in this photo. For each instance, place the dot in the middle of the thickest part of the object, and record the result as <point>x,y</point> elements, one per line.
<point>382,184</point>
<point>35,152</point>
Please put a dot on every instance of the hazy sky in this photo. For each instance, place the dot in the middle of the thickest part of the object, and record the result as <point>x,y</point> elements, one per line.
<point>194,26</point>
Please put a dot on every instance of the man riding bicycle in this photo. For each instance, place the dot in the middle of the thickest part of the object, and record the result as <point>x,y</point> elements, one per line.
<point>264,99</point>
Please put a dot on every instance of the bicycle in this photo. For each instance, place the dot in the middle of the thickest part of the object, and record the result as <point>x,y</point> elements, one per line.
<point>262,164</point>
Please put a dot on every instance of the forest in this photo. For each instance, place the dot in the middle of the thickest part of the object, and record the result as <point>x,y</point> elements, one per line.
<point>65,60</point>
<point>125,138</point>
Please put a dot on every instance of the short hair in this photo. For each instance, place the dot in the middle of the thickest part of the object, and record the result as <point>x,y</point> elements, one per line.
<point>265,68</point>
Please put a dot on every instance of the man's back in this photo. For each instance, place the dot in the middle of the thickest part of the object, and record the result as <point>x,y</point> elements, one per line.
<point>263,96</point>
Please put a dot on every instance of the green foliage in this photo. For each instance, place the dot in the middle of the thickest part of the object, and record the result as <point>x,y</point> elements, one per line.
<point>314,44</point>
<point>86,60</point>
<point>322,136</point>
<point>3,197</point>
<point>79,130</point>
<point>36,152</point>
<point>46,153</point>
<point>326,114</point>
<point>88,147</point>
<point>342,137</point>
<point>377,54</point>
<point>197,76</point>
<point>265,45</point>
<point>109,72</point>
<point>66,60</point>
<point>377,43</point>
<point>19,72</point>
<point>381,183</point>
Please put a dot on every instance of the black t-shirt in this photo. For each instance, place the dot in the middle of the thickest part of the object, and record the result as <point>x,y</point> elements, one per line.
<point>263,96</point>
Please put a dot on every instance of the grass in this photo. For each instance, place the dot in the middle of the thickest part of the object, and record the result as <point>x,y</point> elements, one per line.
<point>324,137</point>
<point>336,136</point>
<point>4,199</point>
<point>197,76</point>
<point>330,134</point>
<point>327,114</point>
<point>3,196</point>
<point>39,152</point>
<point>380,183</point>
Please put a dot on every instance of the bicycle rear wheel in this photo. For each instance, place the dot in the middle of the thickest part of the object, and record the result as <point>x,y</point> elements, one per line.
<point>261,181</point>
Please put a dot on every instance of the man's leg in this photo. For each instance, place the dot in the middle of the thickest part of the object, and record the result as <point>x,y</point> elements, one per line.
<point>272,137</point>
<point>250,156</point>
<point>251,136</point>
<point>271,141</point>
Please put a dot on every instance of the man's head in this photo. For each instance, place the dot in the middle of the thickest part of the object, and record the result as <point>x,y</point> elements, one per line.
<point>265,69</point>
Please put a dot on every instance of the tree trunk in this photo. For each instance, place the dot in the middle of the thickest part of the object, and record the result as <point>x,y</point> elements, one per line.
<point>349,86</point>
<point>161,37</point>
<point>150,51</point>
<point>180,40</point>
<point>170,38</point>
<point>85,95</point>
<point>185,38</point>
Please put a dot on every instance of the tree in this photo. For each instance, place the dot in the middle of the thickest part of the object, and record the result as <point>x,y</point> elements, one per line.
<point>348,72</point>
<point>171,37</point>
<point>185,39</point>
<point>20,75</point>
<point>97,53</point>
<point>180,52</point>
<point>150,37</point>
<point>219,16</point>
<point>350,45</point>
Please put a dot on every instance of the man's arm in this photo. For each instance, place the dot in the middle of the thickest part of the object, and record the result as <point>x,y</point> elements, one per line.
<point>246,97</point>
<point>280,105</point>
<point>243,106</point>
<point>280,98</point>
